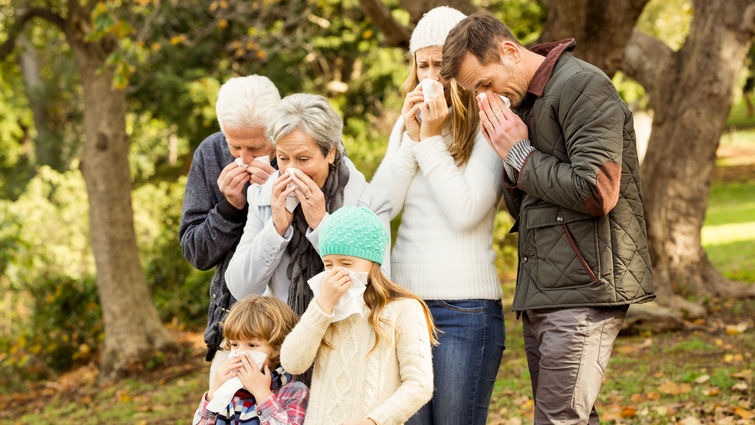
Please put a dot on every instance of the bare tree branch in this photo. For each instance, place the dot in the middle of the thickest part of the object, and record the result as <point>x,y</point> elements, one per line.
<point>644,58</point>
<point>395,34</point>
<point>18,26</point>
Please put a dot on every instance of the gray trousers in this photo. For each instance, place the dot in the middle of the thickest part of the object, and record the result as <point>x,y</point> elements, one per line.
<point>567,353</point>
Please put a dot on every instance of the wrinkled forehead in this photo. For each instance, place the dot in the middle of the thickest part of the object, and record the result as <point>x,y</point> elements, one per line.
<point>470,72</point>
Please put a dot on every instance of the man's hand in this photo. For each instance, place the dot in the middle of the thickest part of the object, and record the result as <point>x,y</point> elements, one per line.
<point>259,171</point>
<point>501,127</point>
<point>231,184</point>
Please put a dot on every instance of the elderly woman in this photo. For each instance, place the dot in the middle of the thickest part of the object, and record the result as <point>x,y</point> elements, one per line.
<point>277,253</point>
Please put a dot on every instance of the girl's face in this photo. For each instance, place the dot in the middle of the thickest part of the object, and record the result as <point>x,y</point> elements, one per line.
<point>297,149</point>
<point>429,61</point>
<point>254,344</point>
<point>355,264</point>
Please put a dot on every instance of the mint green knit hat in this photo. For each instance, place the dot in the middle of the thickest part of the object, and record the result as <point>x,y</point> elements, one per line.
<point>354,231</point>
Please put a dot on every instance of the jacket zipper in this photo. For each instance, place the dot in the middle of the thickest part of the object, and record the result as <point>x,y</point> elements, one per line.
<point>579,254</point>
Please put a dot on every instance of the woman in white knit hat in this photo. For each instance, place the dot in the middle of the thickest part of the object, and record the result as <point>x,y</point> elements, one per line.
<point>445,179</point>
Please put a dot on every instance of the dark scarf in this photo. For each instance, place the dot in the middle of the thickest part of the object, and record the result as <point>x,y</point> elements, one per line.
<point>305,261</point>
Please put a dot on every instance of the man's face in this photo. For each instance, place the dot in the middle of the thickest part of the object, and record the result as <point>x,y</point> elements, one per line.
<point>504,76</point>
<point>248,143</point>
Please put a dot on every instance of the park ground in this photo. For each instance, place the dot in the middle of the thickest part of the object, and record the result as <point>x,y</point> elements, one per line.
<point>702,374</point>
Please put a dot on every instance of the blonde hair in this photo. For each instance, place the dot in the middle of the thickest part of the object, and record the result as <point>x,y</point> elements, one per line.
<point>260,317</point>
<point>380,291</point>
<point>465,118</point>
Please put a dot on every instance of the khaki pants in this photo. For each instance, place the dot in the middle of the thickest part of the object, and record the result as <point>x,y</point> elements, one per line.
<point>219,358</point>
<point>567,353</point>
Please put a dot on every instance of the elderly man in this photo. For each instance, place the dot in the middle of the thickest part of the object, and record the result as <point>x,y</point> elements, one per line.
<point>572,180</point>
<point>224,165</point>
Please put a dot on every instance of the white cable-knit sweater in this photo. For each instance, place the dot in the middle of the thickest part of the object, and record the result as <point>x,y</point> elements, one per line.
<point>387,385</point>
<point>444,245</point>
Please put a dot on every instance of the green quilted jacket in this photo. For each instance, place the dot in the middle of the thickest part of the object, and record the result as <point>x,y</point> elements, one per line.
<point>578,200</point>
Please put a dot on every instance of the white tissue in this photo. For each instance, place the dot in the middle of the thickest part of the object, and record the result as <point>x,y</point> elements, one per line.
<point>224,394</point>
<point>429,88</point>
<point>351,301</point>
<point>291,200</point>
<point>240,162</point>
<point>504,98</point>
<point>263,158</point>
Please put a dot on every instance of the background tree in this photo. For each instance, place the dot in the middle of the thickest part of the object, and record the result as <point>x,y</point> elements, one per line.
<point>133,329</point>
<point>691,90</point>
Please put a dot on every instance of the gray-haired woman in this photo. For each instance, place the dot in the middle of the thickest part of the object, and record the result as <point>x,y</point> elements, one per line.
<point>277,253</point>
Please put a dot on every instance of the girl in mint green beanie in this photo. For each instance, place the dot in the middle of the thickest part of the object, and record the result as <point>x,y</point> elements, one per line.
<point>369,338</point>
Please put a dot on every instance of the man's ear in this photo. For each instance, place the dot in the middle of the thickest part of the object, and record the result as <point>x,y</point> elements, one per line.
<point>509,51</point>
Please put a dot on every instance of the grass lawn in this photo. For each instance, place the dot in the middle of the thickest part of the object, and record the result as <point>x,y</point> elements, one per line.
<point>702,375</point>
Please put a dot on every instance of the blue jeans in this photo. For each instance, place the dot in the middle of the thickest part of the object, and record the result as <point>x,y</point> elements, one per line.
<point>465,363</point>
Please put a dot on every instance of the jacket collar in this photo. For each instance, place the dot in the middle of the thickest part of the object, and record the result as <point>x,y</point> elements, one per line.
<point>552,52</point>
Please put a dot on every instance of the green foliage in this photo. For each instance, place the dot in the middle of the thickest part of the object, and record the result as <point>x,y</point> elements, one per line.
<point>667,20</point>
<point>525,18</point>
<point>505,244</point>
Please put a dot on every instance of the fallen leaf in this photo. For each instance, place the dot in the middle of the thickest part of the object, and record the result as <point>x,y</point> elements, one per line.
<point>125,398</point>
<point>736,329</point>
<point>629,412</point>
<point>743,413</point>
<point>652,395</point>
<point>690,420</point>
<point>637,398</point>
<point>718,341</point>
<point>702,379</point>
<point>527,404</point>
<point>740,386</point>
<point>712,391</point>
<point>744,374</point>
<point>730,358</point>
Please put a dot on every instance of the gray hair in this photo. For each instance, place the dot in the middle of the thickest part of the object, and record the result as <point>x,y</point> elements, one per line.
<point>312,114</point>
<point>245,102</point>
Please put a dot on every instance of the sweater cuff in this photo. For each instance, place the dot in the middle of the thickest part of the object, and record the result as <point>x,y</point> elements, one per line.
<point>404,160</point>
<point>316,316</point>
<point>231,213</point>
<point>518,153</point>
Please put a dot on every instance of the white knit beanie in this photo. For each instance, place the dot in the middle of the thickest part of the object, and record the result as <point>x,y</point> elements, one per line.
<point>434,27</point>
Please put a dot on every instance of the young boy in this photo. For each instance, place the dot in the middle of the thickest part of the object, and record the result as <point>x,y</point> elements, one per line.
<point>244,389</point>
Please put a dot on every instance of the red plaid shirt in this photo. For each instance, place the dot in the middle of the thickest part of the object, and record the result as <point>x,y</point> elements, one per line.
<point>286,406</point>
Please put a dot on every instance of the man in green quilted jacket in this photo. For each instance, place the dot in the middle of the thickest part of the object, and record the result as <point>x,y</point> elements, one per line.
<point>572,183</point>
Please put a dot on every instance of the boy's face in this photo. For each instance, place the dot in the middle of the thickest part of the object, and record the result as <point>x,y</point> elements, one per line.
<point>355,264</point>
<point>253,344</point>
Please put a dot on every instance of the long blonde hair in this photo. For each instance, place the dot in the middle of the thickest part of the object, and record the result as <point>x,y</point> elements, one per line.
<point>380,291</point>
<point>465,118</point>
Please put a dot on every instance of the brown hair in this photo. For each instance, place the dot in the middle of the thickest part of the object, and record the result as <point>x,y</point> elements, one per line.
<point>478,34</point>
<point>260,317</point>
<point>465,118</point>
<point>380,291</point>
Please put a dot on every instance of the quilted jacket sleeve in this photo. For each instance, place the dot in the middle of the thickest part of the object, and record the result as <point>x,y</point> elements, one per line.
<point>591,119</point>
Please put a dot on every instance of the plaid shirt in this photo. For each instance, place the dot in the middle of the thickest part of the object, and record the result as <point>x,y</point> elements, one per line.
<point>285,406</point>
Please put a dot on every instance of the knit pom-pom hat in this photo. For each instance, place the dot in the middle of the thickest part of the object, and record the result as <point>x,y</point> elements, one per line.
<point>434,27</point>
<point>354,231</point>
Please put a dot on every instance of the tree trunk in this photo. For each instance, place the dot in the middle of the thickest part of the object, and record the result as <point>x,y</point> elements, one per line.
<point>133,329</point>
<point>601,32</point>
<point>47,146</point>
<point>691,90</point>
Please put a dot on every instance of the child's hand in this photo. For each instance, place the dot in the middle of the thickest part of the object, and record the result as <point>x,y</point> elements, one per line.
<point>224,372</point>
<point>333,287</point>
<point>254,380</point>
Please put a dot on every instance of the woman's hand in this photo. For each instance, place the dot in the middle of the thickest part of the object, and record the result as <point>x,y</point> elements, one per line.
<point>333,287</point>
<point>311,198</point>
<point>412,104</point>
<point>434,114</point>
<point>282,218</point>
<point>253,379</point>
<point>226,370</point>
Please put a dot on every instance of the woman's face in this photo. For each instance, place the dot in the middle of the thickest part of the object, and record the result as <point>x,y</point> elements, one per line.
<point>297,150</point>
<point>428,61</point>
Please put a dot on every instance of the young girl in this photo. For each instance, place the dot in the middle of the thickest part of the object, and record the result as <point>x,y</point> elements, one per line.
<point>374,365</point>
<point>445,180</point>
<point>255,328</point>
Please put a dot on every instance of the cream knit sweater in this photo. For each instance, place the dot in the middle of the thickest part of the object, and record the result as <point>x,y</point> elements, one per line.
<point>387,385</point>
<point>444,249</point>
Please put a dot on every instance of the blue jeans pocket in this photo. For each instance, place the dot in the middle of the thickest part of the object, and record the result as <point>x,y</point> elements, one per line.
<point>463,306</point>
